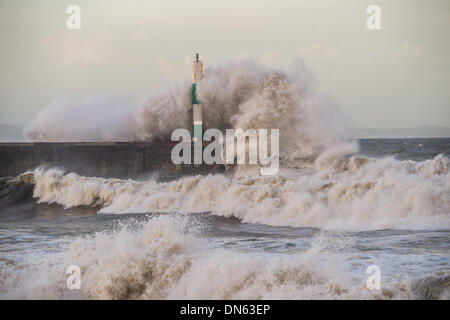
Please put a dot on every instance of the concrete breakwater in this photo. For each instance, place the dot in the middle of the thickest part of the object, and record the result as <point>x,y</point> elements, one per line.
<point>99,159</point>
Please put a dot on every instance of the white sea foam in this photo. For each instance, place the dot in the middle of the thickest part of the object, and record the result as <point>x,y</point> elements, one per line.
<point>353,193</point>
<point>161,261</point>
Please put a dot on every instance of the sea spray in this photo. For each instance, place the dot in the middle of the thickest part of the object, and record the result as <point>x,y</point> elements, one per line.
<point>83,119</point>
<point>238,94</point>
<point>161,260</point>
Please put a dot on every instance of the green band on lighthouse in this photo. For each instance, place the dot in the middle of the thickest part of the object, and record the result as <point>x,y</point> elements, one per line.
<point>194,94</point>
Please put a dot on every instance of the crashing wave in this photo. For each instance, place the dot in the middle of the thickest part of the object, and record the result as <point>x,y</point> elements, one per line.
<point>356,194</point>
<point>162,261</point>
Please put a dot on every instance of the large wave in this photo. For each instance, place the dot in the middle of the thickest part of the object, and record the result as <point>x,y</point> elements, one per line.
<point>354,193</point>
<point>162,261</point>
<point>333,190</point>
<point>238,94</point>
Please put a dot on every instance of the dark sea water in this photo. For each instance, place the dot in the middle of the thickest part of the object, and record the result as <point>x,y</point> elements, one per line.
<point>301,234</point>
<point>405,149</point>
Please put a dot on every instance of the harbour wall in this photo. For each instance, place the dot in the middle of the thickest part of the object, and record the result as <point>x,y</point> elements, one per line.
<point>99,159</point>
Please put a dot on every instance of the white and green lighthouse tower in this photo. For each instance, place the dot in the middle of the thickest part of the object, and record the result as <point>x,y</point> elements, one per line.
<point>197,75</point>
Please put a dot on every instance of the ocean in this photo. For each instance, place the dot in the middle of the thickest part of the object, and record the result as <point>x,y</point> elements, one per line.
<point>316,231</point>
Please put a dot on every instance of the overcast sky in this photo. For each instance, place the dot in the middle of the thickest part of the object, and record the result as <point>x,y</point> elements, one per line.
<point>398,76</point>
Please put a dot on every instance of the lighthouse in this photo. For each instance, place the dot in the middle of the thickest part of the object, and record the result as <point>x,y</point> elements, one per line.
<point>197,115</point>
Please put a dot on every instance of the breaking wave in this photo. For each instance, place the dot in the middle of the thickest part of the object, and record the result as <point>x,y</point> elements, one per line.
<point>355,193</point>
<point>162,261</point>
<point>334,189</point>
<point>239,94</point>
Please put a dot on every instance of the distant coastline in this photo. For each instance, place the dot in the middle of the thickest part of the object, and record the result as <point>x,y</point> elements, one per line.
<point>402,133</point>
<point>13,133</point>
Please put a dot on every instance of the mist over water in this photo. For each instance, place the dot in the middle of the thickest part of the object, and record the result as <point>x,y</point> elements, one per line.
<point>85,119</point>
